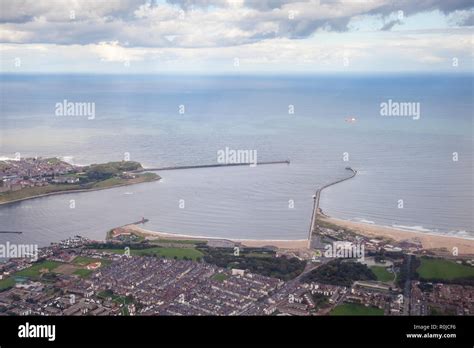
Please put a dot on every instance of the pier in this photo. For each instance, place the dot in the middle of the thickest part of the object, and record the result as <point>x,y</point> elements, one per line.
<point>142,221</point>
<point>209,166</point>
<point>316,198</point>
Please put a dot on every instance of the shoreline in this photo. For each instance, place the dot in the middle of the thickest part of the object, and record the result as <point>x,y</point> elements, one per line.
<point>428,241</point>
<point>75,191</point>
<point>279,243</point>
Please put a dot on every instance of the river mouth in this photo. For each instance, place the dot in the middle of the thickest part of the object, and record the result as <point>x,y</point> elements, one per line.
<point>212,202</point>
<point>396,158</point>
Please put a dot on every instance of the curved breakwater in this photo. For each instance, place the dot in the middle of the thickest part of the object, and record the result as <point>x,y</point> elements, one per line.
<point>316,199</point>
<point>395,158</point>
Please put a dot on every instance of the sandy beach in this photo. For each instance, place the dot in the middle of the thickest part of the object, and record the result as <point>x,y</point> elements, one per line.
<point>282,244</point>
<point>428,241</point>
<point>436,243</point>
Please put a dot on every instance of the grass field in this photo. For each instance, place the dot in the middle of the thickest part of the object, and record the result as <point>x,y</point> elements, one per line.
<point>443,269</point>
<point>116,181</point>
<point>220,277</point>
<point>176,241</point>
<point>6,283</point>
<point>179,253</point>
<point>382,274</point>
<point>38,268</point>
<point>355,309</point>
<point>32,272</point>
<point>84,261</point>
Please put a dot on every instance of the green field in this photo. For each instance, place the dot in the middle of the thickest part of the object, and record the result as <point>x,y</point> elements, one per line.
<point>38,268</point>
<point>355,309</point>
<point>6,283</point>
<point>176,241</point>
<point>32,272</point>
<point>382,274</point>
<point>220,277</point>
<point>179,253</point>
<point>443,269</point>
<point>116,181</point>
<point>84,261</point>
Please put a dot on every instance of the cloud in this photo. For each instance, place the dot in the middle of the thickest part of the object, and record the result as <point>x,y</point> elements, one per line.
<point>469,20</point>
<point>390,24</point>
<point>113,52</point>
<point>191,4</point>
<point>22,11</point>
<point>195,23</point>
<point>271,31</point>
<point>412,50</point>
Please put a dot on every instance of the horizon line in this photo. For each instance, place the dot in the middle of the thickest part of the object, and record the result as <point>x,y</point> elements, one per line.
<point>247,73</point>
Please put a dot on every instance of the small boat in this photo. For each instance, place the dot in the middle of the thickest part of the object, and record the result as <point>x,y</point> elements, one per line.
<point>351,119</point>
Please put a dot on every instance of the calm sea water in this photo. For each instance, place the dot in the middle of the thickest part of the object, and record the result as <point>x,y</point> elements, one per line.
<point>398,158</point>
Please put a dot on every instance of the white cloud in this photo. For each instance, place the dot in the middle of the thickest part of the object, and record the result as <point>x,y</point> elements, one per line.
<point>113,52</point>
<point>213,32</point>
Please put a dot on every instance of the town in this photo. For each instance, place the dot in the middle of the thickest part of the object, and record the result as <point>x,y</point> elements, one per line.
<point>34,172</point>
<point>27,178</point>
<point>131,275</point>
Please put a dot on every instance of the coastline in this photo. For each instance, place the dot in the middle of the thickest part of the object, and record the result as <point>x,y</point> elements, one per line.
<point>76,191</point>
<point>279,243</point>
<point>432,242</point>
<point>437,243</point>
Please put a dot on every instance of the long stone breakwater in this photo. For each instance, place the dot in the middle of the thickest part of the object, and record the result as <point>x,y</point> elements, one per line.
<point>208,166</point>
<point>316,198</point>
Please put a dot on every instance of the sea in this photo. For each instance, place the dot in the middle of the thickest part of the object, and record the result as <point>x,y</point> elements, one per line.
<point>414,171</point>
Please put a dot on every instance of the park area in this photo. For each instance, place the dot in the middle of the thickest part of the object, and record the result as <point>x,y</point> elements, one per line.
<point>355,309</point>
<point>441,269</point>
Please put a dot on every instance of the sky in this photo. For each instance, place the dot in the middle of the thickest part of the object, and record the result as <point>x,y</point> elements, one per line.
<point>236,36</point>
